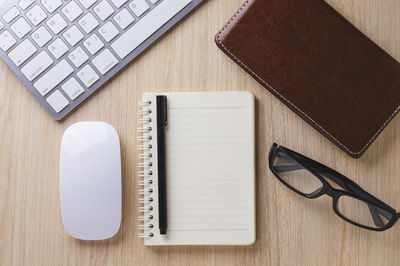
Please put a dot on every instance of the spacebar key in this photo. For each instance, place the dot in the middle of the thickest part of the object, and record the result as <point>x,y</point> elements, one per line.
<point>147,26</point>
<point>53,77</point>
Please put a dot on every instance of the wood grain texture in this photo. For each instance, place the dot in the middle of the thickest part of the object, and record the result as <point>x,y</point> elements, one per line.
<point>290,229</point>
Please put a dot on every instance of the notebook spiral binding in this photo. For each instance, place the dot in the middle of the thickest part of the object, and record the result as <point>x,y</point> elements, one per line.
<point>145,171</point>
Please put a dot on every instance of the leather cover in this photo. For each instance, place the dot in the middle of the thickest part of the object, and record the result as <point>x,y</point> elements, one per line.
<point>319,65</point>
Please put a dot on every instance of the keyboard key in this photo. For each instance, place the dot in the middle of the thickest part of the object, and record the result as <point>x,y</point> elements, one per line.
<point>24,4</point>
<point>73,35</point>
<point>11,14</point>
<point>88,23</point>
<point>56,23</point>
<point>119,3</point>
<point>78,57</point>
<point>87,3</point>
<point>57,101</point>
<point>72,11</point>
<point>36,15</point>
<point>51,5</point>
<point>72,88</point>
<point>22,52</point>
<point>37,65</point>
<point>103,10</point>
<point>21,27</point>
<point>53,77</point>
<point>124,19</point>
<point>88,76</point>
<point>58,48</point>
<point>6,40</point>
<point>143,29</point>
<point>93,44</point>
<point>41,36</point>
<point>108,31</point>
<point>105,61</point>
<point>139,7</point>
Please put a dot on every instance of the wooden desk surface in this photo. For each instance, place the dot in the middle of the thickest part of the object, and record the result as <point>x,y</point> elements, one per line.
<point>290,229</point>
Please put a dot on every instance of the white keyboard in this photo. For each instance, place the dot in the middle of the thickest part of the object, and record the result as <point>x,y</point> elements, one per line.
<point>65,50</point>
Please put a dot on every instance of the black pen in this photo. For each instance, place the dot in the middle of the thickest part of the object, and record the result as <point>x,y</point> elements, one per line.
<point>162,121</point>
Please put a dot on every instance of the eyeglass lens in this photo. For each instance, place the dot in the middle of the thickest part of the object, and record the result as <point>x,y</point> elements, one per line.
<point>295,175</point>
<point>363,213</point>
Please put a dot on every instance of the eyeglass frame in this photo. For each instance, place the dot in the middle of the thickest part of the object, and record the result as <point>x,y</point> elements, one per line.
<point>351,189</point>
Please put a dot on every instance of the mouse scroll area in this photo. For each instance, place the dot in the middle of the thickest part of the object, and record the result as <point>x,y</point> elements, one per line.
<point>90,181</point>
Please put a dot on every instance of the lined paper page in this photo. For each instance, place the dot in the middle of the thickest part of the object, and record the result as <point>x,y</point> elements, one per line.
<point>206,151</point>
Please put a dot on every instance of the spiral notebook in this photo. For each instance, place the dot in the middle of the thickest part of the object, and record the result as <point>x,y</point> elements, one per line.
<point>210,169</point>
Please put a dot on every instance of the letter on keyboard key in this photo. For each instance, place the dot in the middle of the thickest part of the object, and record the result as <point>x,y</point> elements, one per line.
<point>88,76</point>
<point>124,19</point>
<point>78,57</point>
<point>103,10</point>
<point>58,48</point>
<point>53,77</point>
<point>143,29</point>
<point>57,101</point>
<point>108,31</point>
<point>139,7</point>
<point>72,11</point>
<point>105,61</point>
<point>6,40</point>
<point>73,35</point>
<point>22,52</point>
<point>93,44</point>
<point>88,23</point>
<point>37,65</point>
<point>41,36</point>
<point>56,24</point>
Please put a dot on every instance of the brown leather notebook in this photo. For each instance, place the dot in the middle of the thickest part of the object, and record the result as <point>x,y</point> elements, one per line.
<point>318,64</point>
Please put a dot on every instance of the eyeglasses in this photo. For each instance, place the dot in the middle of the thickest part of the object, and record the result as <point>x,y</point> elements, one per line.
<point>309,179</point>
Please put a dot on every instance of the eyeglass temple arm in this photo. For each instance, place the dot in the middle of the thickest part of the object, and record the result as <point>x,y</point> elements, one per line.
<point>374,211</point>
<point>294,167</point>
<point>356,189</point>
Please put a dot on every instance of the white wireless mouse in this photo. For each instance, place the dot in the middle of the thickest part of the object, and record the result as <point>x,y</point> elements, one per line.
<point>90,181</point>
